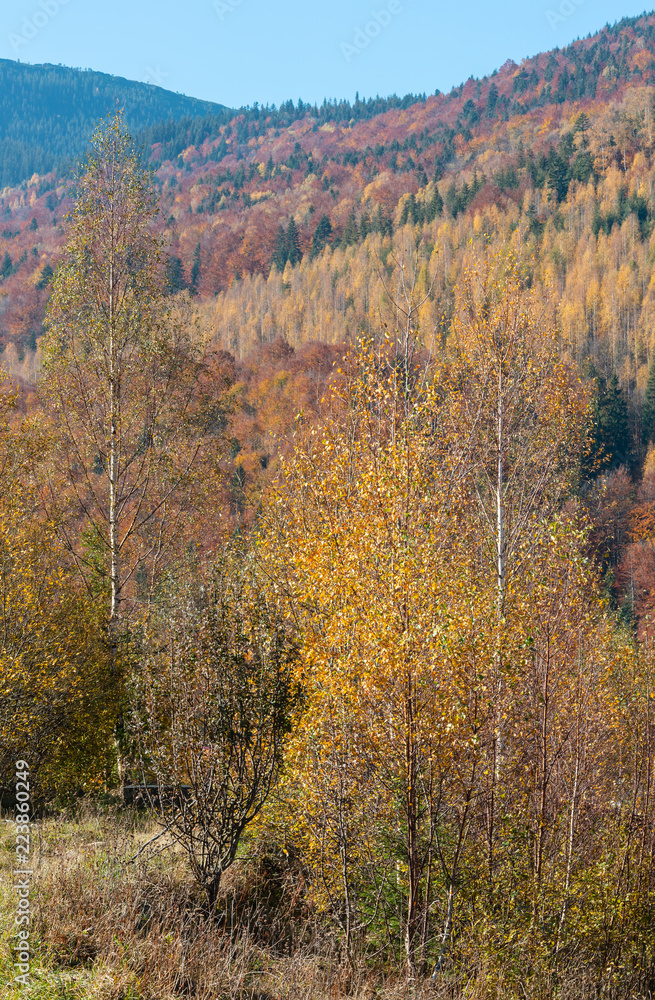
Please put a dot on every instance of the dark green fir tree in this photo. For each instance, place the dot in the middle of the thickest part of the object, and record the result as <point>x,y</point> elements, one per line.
<point>610,445</point>
<point>294,253</point>
<point>280,255</point>
<point>195,269</point>
<point>322,234</point>
<point>351,232</point>
<point>175,274</point>
<point>648,411</point>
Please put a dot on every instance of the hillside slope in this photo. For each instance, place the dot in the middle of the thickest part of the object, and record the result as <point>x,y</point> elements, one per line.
<point>284,214</point>
<point>291,226</point>
<point>47,113</point>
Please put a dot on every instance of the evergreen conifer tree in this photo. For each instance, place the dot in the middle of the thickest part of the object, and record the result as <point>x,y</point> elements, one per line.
<point>434,207</point>
<point>409,212</point>
<point>321,236</point>
<point>648,411</point>
<point>617,427</point>
<point>45,278</point>
<point>294,253</point>
<point>280,255</point>
<point>558,177</point>
<point>350,233</point>
<point>175,274</point>
<point>195,270</point>
<point>611,442</point>
<point>492,101</point>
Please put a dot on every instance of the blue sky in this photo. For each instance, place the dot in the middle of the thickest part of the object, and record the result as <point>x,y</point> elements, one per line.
<point>237,52</point>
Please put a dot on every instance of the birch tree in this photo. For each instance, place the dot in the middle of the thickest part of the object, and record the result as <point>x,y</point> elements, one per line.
<point>404,521</point>
<point>125,383</point>
<point>517,424</point>
<point>368,525</point>
<point>517,408</point>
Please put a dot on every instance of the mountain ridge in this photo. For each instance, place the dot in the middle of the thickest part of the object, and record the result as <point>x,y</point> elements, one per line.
<point>47,113</point>
<point>260,191</point>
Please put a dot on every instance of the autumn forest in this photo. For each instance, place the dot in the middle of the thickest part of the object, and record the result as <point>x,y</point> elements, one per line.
<point>327,539</point>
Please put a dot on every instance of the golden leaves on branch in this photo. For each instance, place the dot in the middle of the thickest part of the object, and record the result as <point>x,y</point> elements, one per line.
<point>454,648</point>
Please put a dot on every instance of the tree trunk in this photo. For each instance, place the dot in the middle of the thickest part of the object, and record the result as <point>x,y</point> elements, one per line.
<point>413,859</point>
<point>345,872</point>
<point>114,411</point>
<point>501,570</point>
<point>569,843</point>
<point>447,928</point>
<point>500,511</point>
<point>212,888</point>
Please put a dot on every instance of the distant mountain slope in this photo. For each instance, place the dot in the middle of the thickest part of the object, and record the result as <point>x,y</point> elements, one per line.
<point>47,113</point>
<point>227,190</point>
<point>278,218</point>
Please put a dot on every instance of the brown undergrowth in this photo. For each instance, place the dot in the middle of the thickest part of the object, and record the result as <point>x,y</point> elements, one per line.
<point>112,926</point>
<point>116,927</point>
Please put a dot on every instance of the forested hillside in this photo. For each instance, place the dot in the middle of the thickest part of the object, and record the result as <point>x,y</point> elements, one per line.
<point>558,150</point>
<point>291,224</point>
<point>47,113</point>
<point>327,524</point>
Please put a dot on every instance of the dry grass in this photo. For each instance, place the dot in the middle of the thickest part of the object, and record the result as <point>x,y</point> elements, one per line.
<point>113,930</point>
<point>108,929</point>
